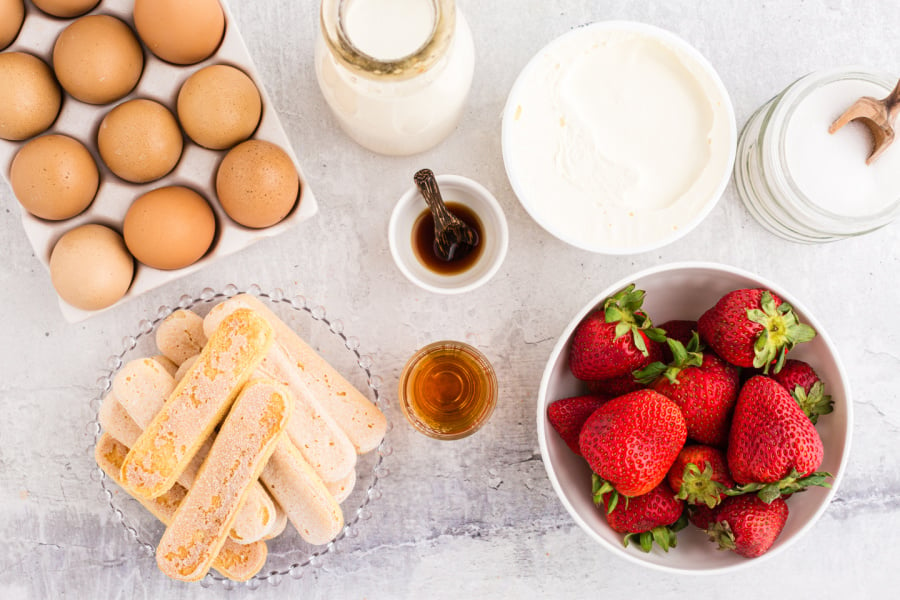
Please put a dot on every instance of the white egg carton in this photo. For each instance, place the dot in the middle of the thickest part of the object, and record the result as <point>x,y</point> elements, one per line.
<point>160,81</point>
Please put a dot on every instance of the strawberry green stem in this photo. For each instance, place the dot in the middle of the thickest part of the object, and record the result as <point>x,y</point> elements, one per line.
<point>782,330</point>
<point>699,487</point>
<point>624,309</point>
<point>681,359</point>
<point>600,488</point>
<point>791,484</point>
<point>721,534</point>
<point>665,536</point>
<point>815,403</point>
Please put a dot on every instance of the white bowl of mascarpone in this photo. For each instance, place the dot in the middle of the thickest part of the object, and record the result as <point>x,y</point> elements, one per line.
<point>618,137</point>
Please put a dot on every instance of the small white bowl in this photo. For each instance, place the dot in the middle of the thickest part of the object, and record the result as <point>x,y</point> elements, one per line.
<point>684,291</point>
<point>495,236</point>
<point>573,153</point>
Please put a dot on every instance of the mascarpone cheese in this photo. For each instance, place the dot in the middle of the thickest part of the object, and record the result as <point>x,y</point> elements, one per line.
<point>618,137</point>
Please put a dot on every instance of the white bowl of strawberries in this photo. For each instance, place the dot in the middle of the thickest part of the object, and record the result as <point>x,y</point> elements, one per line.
<point>694,418</point>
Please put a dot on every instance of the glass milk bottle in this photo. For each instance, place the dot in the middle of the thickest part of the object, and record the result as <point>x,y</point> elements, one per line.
<point>395,73</point>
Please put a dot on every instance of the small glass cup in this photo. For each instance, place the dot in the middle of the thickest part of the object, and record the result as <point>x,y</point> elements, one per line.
<point>448,390</point>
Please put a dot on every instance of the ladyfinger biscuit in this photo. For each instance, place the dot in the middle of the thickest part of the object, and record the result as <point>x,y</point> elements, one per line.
<point>279,524</point>
<point>256,516</point>
<point>299,491</point>
<point>116,421</point>
<point>238,562</point>
<point>245,442</point>
<point>181,335</point>
<point>184,367</point>
<point>340,490</point>
<point>320,440</point>
<point>359,418</point>
<point>166,364</point>
<point>141,391</point>
<point>198,404</point>
<point>142,388</point>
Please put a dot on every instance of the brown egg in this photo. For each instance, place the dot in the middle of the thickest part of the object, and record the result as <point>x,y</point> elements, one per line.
<point>140,140</point>
<point>54,177</point>
<point>219,106</point>
<point>90,267</point>
<point>65,8</point>
<point>29,96</point>
<point>12,13</point>
<point>257,184</point>
<point>98,59</point>
<point>183,32</point>
<point>169,228</point>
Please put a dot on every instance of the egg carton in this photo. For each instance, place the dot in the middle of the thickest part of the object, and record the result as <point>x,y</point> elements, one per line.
<point>196,169</point>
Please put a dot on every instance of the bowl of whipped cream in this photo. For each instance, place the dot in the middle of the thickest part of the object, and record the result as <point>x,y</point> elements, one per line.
<point>618,137</point>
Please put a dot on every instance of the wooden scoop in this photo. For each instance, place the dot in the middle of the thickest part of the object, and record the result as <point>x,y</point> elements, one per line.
<point>878,116</point>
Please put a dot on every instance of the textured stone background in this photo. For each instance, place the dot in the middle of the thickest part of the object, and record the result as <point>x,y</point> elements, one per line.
<point>475,518</point>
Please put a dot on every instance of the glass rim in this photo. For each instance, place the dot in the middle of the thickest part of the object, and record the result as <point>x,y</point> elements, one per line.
<point>405,67</point>
<point>783,109</point>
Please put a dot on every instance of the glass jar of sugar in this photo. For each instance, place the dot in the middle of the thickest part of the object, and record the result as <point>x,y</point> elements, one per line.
<point>395,73</point>
<point>805,184</point>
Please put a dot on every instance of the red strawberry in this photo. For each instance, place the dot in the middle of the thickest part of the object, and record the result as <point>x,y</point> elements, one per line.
<point>699,475</point>
<point>773,448</point>
<point>615,340</point>
<point>615,386</point>
<point>700,515</point>
<point>702,385</point>
<point>753,328</point>
<point>655,516</point>
<point>680,330</point>
<point>801,380</point>
<point>747,525</point>
<point>631,441</point>
<point>569,414</point>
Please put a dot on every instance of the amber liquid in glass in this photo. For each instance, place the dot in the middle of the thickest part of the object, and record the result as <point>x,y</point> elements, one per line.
<point>423,241</point>
<point>450,392</point>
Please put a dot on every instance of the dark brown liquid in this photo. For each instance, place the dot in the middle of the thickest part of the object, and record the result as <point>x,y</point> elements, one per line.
<point>423,241</point>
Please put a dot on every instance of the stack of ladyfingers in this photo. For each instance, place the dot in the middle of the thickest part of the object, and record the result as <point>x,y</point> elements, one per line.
<point>236,428</point>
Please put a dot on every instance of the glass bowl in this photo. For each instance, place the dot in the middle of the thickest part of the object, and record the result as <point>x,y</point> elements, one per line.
<point>288,555</point>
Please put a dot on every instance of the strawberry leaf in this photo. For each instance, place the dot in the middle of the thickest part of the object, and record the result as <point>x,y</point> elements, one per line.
<point>790,484</point>
<point>624,309</point>
<point>781,331</point>
<point>682,358</point>
<point>613,314</point>
<point>721,534</point>
<point>665,536</point>
<point>622,328</point>
<point>639,342</point>
<point>650,373</point>
<point>699,487</point>
<point>815,403</point>
<point>655,333</point>
<point>694,344</point>
<point>600,488</point>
